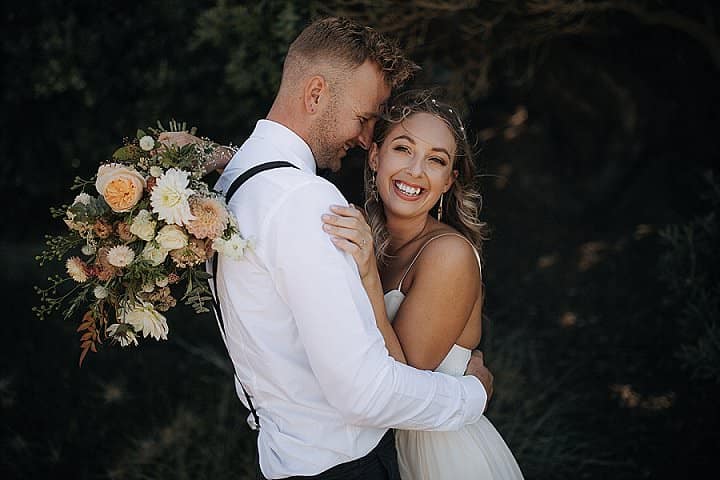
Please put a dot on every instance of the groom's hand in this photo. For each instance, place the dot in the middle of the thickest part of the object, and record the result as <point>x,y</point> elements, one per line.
<point>476,367</point>
<point>177,139</point>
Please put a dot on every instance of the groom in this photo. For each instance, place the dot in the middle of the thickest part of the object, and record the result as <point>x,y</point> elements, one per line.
<point>298,325</point>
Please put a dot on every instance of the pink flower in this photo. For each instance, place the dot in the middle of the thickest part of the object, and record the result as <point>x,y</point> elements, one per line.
<point>211,217</point>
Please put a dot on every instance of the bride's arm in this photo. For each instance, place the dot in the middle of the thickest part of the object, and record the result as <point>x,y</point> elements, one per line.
<point>443,298</point>
<point>351,233</point>
<point>373,287</point>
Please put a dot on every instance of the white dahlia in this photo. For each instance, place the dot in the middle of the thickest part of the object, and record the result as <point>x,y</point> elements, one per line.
<point>120,256</point>
<point>123,334</point>
<point>146,320</point>
<point>169,198</point>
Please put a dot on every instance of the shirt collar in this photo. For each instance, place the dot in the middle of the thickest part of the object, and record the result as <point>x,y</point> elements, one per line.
<point>291,146</point>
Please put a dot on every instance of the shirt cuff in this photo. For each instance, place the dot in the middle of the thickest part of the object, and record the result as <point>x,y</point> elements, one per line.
<point>475,398</point>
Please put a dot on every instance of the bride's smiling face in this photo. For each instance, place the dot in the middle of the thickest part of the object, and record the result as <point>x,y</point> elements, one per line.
<point>414,165</point>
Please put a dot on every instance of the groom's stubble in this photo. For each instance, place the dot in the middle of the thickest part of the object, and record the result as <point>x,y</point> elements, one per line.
<point>322,138</point>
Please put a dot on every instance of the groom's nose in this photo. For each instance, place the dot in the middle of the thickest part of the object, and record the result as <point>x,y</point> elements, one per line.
<point>365,137</point>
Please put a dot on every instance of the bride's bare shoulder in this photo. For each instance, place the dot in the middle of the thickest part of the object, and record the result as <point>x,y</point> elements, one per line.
<point>447,254</point>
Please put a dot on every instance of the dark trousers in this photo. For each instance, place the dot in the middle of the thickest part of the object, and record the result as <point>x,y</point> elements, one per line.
<point>379,464</point>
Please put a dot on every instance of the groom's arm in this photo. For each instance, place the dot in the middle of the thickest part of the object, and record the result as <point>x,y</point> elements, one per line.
<point>334,319</point>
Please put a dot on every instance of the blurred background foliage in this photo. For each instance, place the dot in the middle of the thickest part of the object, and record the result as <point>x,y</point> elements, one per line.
<point>596,123</point>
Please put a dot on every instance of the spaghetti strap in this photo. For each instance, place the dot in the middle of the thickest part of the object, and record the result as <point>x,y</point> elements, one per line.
<point>417,255</point>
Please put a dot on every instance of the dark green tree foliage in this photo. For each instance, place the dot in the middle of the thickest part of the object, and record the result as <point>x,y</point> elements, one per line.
<point>691,270</point>
<point>80,75</point>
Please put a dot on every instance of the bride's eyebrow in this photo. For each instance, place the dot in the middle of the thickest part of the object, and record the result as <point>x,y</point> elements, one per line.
<point>441,150</point>
<point>405,137</point>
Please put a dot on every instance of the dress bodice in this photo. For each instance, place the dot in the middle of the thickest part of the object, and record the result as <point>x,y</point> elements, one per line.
<point>456,360</point>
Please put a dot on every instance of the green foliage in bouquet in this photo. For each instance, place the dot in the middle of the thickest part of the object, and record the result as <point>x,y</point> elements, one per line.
<point>138,236</point>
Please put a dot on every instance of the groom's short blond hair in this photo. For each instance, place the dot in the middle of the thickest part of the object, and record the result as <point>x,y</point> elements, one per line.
<point>345,45</point>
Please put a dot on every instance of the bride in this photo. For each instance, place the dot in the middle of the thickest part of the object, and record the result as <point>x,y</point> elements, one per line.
<point>422,271</point>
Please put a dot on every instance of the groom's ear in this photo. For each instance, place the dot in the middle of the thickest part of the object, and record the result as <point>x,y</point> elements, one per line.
<point>315,91</point>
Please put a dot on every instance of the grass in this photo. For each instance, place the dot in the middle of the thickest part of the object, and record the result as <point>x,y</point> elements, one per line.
<point>586,386</point>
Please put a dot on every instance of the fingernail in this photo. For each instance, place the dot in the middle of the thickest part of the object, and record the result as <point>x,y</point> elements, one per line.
<point>325,217</point>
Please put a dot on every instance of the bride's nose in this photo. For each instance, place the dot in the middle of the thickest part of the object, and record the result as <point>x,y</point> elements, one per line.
<point>415,166</point>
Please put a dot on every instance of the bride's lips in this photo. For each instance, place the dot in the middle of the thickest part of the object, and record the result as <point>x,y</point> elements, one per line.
<point>406,196</point>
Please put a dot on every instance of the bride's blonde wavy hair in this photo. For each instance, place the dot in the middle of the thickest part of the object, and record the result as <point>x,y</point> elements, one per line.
<point>462,205</point>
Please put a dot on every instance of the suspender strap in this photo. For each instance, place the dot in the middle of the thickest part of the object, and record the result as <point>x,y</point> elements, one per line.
<point>215,300</point>
<point>251,173</point>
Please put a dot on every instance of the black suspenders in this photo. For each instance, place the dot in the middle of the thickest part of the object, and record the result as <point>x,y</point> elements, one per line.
<point>215,300</point>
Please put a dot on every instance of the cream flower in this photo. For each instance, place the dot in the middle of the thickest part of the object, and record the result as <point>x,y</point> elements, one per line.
<point>211,217</point>
<point>121,186</point>
<point>143,225</point>
<point>156,171</point>
<point>123,334</point>
<point>146,320</point>
<point>100,292</point>
<point>155,255</point>
<point>88,249</point>
<point>171,237</point>
<point>147,143</point>
<point>76,269</point>
<point>82,198</point>
<point>233,248</point>
<point>169,198</point>
<point>120,256</point>
<point>162,282</point>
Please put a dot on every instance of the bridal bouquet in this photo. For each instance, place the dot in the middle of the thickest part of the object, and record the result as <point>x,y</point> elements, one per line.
<point>138,235</point>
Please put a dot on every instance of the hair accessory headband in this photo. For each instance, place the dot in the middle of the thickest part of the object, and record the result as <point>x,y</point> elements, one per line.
<point>407,110</point>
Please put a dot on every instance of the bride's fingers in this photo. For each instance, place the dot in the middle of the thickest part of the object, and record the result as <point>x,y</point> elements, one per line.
<point>350,211</point>
<point>350,234</point>
<point>346,246</point>
<point>346,222</point>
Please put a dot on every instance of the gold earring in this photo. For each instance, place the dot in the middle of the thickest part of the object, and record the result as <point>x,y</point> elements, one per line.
<point>373,187</point>
<point>440,207</point>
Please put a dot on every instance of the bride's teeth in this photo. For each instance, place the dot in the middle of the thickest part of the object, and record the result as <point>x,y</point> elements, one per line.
<point>407,189</point>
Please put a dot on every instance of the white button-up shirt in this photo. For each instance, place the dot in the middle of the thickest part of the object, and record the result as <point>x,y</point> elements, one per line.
<point>300,328</point>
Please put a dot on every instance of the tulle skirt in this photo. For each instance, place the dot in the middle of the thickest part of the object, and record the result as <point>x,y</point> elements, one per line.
<point>475,452</point>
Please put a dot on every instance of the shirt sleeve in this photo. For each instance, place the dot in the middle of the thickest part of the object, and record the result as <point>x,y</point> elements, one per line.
<point>335,323</point>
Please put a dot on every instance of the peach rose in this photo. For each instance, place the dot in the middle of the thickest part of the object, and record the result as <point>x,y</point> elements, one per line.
<point>121,186</point>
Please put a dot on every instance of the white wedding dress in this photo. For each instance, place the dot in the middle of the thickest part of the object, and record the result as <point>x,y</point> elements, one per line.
<point>476,451</point>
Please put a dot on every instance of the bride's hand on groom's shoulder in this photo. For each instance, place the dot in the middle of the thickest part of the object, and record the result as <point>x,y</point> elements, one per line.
<point>350,232</point>
<point>476,367</point>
